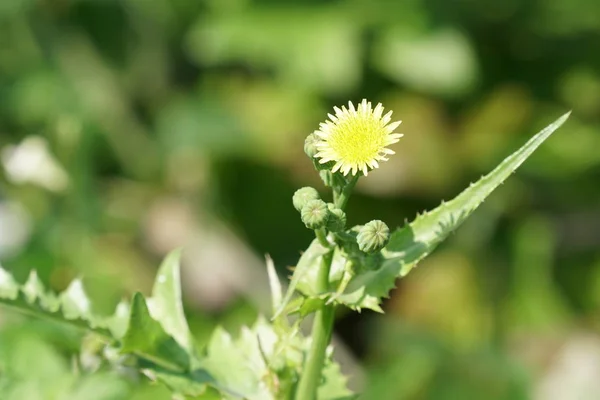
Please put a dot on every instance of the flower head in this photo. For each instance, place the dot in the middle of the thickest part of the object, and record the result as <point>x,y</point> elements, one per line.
<point>356,138</point>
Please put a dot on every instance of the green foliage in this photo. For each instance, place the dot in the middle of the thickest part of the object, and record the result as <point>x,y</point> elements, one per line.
<point>72,306</point>
<point>264,362</point>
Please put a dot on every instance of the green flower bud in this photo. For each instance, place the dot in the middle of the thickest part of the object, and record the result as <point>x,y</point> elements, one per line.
<point>373,236</point>
<point>303,195</point>
<point>315,214</point>
<point>337,219</point>
<point>310,147</point>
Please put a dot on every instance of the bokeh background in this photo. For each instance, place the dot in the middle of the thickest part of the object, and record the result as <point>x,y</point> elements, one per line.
<point>131,127</point>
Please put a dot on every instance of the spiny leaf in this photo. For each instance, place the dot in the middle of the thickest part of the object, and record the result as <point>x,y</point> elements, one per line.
<point>146,338</point>
<point>74,300</point>
<point>262,363</point>
<point>415,241</point>
<point>72,307</point>
<point>166,304</point>
<point>333,385</point>
<point>237,365</point>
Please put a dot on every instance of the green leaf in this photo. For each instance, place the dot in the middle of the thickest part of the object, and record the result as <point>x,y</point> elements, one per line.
<point>333,385</point>
<point>74,300</point>
<point>118,322</point>
<point>274,284</point>
<point>193,383</point>
<point>146,338</point>
<point>307,265</point>
<point>264,362</point>
<point>237,364</point>
<point>72,307</point>
<point>166,304</point>
<point>415,241</point>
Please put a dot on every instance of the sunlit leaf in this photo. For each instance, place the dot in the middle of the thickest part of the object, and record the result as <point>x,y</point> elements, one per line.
<point>72,307</point>
<point>274,284</point>
<point>166,304</point>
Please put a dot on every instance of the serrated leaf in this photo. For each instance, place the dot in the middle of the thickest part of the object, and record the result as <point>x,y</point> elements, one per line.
<point>146,338</point>
<point>415,241</point>
<point>74,301</point>
<point>237,365</point>
<point>262,363</point>
<point>333,385</point>
<point>32,298</point>
<point>166,304</point>
<point>8,287</point>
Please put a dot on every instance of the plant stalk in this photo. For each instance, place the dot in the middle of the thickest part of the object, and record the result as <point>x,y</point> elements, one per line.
<point>321,235</point>
<point>342,198</point>
<point>321,335</point>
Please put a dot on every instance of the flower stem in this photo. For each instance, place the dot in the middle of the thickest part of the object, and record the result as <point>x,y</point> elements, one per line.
<point>321,235</point>
<point>321,335</point>
<point>342,198</point>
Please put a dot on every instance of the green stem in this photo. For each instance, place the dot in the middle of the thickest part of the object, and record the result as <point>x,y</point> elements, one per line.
<point>342,198</point>
<point>321,335</point>
<point>321,235</point>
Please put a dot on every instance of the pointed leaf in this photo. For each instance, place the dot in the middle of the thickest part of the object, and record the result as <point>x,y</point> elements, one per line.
<point>415,241</point>
<point>166,305</point>
<point>306,265</point>
<point>274,284</point>
<point>146,338</point>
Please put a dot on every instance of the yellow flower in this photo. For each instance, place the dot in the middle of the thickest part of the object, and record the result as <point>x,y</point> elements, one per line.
<point>356,138</point>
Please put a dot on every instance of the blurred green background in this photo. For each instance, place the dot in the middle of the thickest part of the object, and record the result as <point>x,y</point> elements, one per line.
<point>131,127</point>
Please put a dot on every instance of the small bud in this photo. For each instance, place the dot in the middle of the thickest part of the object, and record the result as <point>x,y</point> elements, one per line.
<point>337,219</point>
<point>309,145</point>
<point>303,195</point>
<point>315,214</point>
<point>373,236</point>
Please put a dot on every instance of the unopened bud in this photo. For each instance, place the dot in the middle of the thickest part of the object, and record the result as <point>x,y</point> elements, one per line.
<point>315,214</point>
<point>303,195</point>
<point>310,147</point>
<point>373,236</point>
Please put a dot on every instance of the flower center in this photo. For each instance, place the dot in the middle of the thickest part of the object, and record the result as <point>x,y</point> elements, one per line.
<point>357,140</point>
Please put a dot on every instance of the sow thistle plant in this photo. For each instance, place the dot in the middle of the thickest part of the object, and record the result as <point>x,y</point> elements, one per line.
<point>353,267</point>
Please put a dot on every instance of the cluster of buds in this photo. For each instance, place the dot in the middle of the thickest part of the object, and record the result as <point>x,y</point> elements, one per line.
<point>315,213</point>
